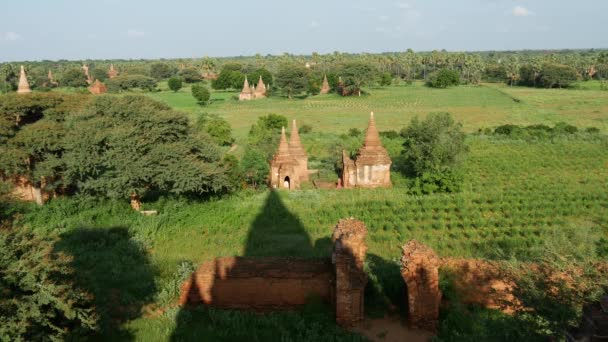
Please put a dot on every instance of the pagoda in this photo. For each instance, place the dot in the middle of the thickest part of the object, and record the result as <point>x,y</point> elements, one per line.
<point>372,165</point>
<point>24,86</point>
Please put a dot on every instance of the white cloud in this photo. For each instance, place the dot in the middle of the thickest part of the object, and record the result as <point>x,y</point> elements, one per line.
<point>314,24</point>
<point>520,11</point>
<point>9,36</point>
<point>383,18</point>
<point>134,33</point>
<point>403,5</point>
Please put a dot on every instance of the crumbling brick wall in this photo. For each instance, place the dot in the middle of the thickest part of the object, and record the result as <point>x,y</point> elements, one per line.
<point>348,257</point>
<point>258,283</point>
<point>420,271</point>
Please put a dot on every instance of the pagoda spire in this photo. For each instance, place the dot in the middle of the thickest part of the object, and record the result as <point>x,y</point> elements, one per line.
<point>295,145</point>
<point>246,88</point>
<point>283,146</point>
<point>24,86</point>
<point>372,138</point>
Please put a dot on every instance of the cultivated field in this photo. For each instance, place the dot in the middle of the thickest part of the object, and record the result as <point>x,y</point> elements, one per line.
<point>483,106</point>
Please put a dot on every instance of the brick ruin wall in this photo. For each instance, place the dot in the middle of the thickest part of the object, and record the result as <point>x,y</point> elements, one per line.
<point>258,283</point>
<point>275,283</point>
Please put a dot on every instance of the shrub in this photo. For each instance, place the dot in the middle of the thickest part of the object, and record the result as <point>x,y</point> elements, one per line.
<point>444,78</point>
<point>254,167</point>
<point>433,150</point>
<point>175,83</point>
<point>592,130</point>
<point>201,94</point>
<point>562,127</point>
<point>39,299</point>
<point>217,127</point>
<point>304,129</point>
<point>386,79</point>
<point>127,82</point>
<point>392,134</point>
<point>354,132</point>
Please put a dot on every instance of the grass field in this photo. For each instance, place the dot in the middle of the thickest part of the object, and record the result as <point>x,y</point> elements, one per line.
<point>488,105</point>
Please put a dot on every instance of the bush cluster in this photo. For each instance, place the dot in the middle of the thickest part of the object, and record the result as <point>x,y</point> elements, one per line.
<point>128,82</point>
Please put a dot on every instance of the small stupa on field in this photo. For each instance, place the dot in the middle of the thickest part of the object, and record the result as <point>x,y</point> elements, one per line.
<point>85,68</point>
<point>372,166</point>
<point>112,72</point>
<point>325,87</point>
<point>24,86</point>
<point>252,92</point>
<point>289,166</point>
<point>97,88</point>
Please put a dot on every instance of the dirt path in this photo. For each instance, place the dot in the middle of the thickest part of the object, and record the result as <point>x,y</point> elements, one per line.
<point>233,147</point>
<point>390,329</point>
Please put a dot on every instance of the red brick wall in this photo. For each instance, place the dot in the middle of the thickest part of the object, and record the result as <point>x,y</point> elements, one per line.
<point>258,283</point>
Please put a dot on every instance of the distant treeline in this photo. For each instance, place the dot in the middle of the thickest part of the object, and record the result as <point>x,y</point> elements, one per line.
<point>513,67</point>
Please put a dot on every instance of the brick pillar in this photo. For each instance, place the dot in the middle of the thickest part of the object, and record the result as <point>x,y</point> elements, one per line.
<point>420,271</point>
<point>348,257</point>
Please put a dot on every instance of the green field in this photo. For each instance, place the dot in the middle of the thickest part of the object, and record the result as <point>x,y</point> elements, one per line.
<point>488,105</point>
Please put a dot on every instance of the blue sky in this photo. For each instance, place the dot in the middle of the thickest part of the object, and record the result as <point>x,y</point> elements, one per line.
<point>70,29</point>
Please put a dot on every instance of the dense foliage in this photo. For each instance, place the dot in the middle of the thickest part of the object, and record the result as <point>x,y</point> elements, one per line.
<point>189,75</point>
<point>114,147</point>
<point>39,300</point>
<point>128,82</point>
<point>201,94</point>
<point>161,71</point>
<point>74,78</point>
<point>433,150</point>
<point>291,79</point>
<point>444,78</point>
<point>355,75</point>
<point>175,83</point>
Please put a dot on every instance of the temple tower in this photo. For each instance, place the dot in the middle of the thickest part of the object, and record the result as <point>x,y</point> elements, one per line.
<point>325,87</point>
<point>112,72</point>
<point>372,165</point>
<point>24,86</point>
<point>260,90</point>
<point>246,93</point>
<point>284,167</point>
<point>97,88</point>
<point>298,152</point>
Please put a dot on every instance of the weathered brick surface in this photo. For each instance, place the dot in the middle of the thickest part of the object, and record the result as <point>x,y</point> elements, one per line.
<point>350,279</point>
<point>420,271</point>
<point>258,283</point>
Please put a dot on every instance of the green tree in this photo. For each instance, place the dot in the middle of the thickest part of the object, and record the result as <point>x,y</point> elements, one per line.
<point>444,78</point>
<point>201,94</point>
<point>74,78</point>
<point>557,76</point>
<point>190,75</point>
<point>39,300</point>
<point>127,82</point>
<point>386,79</point>
<point>132,145</point>
<point>217,127</point>
<point>292,79</point>
<point>175,83</point>
<point>161,71</point>
<point>99,74</point>
<point>265,133</point>
<point>433,151</point>
<point>356,75</point>
<point>254,167</point>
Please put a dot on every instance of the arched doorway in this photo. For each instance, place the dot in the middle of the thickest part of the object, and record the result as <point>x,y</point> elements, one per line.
<point>286,183</point>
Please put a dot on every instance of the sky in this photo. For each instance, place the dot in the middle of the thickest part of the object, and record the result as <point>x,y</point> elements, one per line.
<point>133,29</point>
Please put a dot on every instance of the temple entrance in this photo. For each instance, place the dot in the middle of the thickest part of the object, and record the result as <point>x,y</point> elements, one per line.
<point>286,183</point>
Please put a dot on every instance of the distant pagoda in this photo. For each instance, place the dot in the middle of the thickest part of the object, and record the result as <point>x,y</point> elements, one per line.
<point>24,86</point>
